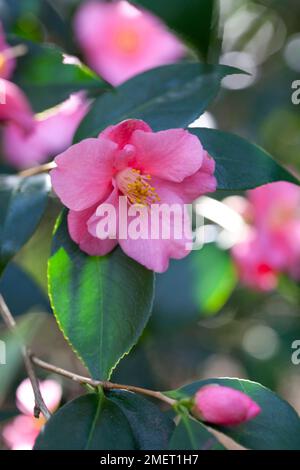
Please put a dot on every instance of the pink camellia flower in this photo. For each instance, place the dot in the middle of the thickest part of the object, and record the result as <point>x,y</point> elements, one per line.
<point>53,132</point>
<point>146,167</point>
<point>120,41</point>
<point>14,106</point>
<point>7,62</point>
<point>22,431</point>
<point>224,406</point>
<point>273,244</point>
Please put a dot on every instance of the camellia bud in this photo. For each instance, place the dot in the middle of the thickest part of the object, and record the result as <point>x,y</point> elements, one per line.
<point>224,405</point>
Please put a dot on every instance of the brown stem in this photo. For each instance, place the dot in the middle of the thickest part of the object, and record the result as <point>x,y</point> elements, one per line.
<point>40,406</point>
<point>98,383</point>
<point>37,170</point>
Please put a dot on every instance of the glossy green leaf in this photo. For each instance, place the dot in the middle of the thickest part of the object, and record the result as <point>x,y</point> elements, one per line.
<point>214,278</point>
<point>194,20</point>
<point>277,427</point>
<point>119,421</point>
<point>190,434</point>
<point>101,304</point>
<point>240,164</point>
<point>203,281</point>
<point>22,204</point>
<point>166,97</point>
<point>47,81</point>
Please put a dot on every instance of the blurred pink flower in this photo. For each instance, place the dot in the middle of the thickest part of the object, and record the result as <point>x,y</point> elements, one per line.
<point>7,62</point>
<point>224,406</point>
<point>14,107</point>
<point>53,132</point>
<point>131,160</point>
<point>253,265</point>
<point>120,41</point>
<point>22,431</point>
<point>273,245</point>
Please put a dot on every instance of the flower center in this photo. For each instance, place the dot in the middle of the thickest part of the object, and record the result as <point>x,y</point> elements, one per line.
<point>2,62</point>
<point>127,40</point>
<point>137,187</point>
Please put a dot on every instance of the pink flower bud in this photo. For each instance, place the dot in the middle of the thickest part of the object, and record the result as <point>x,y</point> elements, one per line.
<point>224,405</point>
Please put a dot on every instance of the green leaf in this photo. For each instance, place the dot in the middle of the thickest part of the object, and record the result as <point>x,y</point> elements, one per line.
<point>190,434</point>
<point>194,20</point>
<point>6,415</point>
<point>214,278</point>
<point>42,68</point>
<point>166,97</point>
<point>120,421</point>
<point>101,304</point>
<point>203,281</point>
<point>240,164</point>
<point>22,204</point>
<point>277,427</point>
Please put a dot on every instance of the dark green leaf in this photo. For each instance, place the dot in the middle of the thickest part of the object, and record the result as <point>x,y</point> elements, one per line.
<point>120,421</point>
<point>22,204</point>
<point>30,295</point>
<point>277,427</point>
<point>190,434</point>
<point>47,81</point>
<point>6,415</point>
<point>240,164</point>
<point>166,97</point>
<point>102,304</point>
<point>194,20</point>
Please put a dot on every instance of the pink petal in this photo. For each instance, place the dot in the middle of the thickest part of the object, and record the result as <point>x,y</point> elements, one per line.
<point>192,187</point>
<point>121,133</point>
<point>120,41</point>
<point>155,254</point>
<point>20,433</point>
<point>225,406</point>
<point>84,172</point>
<point>16,107</point>
<point>53,133</point>
<point>274,205</point>
<point>173,154</point>
<point>80,234</point>
<point>51,392</point>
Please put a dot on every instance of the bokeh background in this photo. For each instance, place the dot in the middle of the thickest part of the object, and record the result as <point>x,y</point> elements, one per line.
<point>204,324</point>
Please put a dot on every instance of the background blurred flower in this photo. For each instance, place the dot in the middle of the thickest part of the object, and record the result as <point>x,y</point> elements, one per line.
<point>22,431</point>
<point>273,243</point>
<point>120,41</point>
<point>14,106</point>
<point>52,132</point>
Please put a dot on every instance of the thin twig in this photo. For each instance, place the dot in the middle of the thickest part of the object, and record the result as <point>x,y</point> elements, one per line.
<point>40,406</point>
<point>98,383</point>
<point>37,170</point>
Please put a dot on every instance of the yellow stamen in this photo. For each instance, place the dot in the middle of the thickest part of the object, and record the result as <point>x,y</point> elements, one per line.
<point>127,40</point>
<point>2,62</point>
<point>136,187</point>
